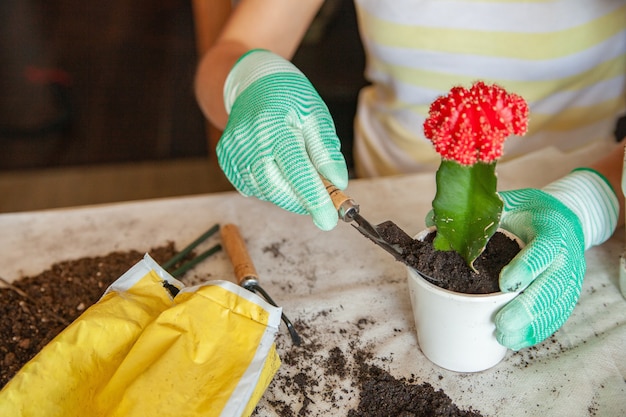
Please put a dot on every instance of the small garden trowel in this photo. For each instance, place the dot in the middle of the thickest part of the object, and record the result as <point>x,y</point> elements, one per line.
<point>348,211</point>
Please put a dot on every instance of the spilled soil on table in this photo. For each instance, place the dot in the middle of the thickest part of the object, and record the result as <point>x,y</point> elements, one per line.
<point>349,375</point>
<point>41,306</point>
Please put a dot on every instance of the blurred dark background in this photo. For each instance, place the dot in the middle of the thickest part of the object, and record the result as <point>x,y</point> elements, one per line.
<point>91,83</point>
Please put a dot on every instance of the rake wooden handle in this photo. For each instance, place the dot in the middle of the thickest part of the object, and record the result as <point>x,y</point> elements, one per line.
<point>236,249</point>
<point>346,206</point>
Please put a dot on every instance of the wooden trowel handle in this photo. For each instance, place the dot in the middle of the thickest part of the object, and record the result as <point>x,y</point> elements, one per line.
<point>238,253</point>
<point>346,206</point>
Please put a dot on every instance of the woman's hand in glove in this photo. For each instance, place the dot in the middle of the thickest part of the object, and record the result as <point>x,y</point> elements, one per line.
<point>558,224</point>
<point>280,137</point>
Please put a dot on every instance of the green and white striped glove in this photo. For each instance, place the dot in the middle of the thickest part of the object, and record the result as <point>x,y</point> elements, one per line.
<point>558,224</point>
<point>280,137</point>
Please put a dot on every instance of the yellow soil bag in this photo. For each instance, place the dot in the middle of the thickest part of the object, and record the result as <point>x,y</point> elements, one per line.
<point>139,351</point>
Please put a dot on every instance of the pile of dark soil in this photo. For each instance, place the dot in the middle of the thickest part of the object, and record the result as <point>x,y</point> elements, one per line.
<point>448,268</point>
<point>37,308</point>
<point>383,395</point>
<point>41,306</point>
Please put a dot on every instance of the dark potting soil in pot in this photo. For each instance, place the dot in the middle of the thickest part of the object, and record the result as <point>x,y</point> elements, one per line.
<point>448,268</point>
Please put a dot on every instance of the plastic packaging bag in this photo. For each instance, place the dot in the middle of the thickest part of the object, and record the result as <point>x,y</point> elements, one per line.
<point>140,351</point>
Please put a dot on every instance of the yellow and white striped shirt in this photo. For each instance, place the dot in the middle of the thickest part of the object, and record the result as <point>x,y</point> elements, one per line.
<point>567,58</point>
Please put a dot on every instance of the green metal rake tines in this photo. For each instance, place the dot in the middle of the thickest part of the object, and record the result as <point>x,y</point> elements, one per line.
<point>187,249</point>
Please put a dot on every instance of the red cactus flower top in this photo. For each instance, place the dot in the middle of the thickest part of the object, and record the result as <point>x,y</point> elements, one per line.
<point>471,125</point>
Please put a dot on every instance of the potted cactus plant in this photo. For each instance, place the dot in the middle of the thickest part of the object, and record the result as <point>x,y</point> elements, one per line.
<point>468,128</point>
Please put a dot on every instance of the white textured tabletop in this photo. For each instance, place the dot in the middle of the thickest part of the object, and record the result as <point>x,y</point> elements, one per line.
<point>352,295</point>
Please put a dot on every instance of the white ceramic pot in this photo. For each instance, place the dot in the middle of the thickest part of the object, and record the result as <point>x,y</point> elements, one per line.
<point>456,331</point>
<point>622,270</point>
<point>622,274</point>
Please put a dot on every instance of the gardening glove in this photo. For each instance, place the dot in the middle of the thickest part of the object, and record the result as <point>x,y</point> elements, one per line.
<point>280,137</point>
<point>557,224</point>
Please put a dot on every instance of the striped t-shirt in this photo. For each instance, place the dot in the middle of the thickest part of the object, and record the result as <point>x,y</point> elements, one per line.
<point>567,58</point>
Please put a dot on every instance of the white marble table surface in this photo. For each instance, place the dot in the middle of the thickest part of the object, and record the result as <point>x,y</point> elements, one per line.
<point>338,279</point>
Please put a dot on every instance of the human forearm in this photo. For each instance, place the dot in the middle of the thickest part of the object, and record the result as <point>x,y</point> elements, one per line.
<point>275,25</point>
<point>210,77</point>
